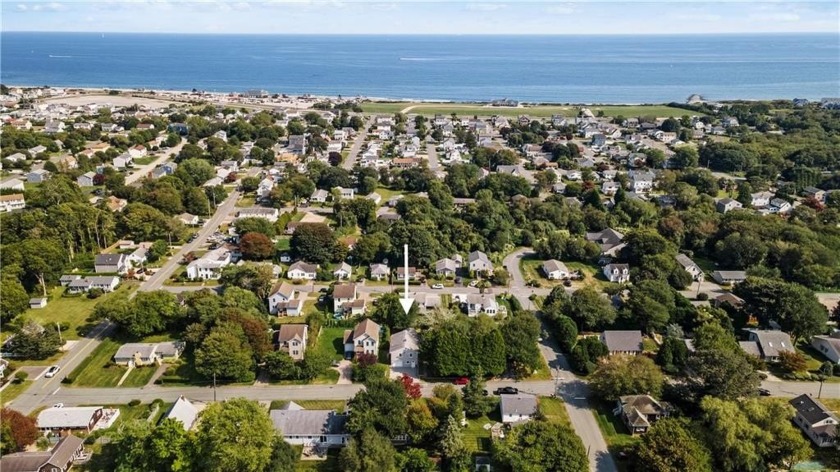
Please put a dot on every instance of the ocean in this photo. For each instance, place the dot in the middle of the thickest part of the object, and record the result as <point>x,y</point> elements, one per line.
<point>558,69</point>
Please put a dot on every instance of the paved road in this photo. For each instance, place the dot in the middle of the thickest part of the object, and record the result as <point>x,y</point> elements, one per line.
<point>357,146</point>
<point>434,163</point>
<point>794,389</point>
<point>143,171</point>
<point>156,281</point>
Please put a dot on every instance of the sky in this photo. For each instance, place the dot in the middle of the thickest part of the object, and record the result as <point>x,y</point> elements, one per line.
<point>426,17</point>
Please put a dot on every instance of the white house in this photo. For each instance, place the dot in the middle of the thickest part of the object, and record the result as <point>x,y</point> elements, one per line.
<point>86,179</point>
<point>184,411</point>
<point>319,196</point>
<point>481,303</point>
<point>343,271</point>
<point>210,265</point>
<point>12,184</point>
<point>12,202</point>
<point>379,271</point>
<point>311,428</point>
<point>517,408</point>
<point>363,339</point>
<point>690,266</point>
<point>292,339</point>
<point>302,271</point>
<point>829,346</point>
<point>479,263</point>
<point>270,214</point>
<point>404,349</point>
<point>555,270</point>
<point>617,273</point>
<point>123,160</point>
<point>815,420</point>
<point>84,284</point>
<point>111,264</point>
<point>280,296</point>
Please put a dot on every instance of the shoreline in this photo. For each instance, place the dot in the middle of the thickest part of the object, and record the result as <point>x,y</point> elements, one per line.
<point>206,95</point>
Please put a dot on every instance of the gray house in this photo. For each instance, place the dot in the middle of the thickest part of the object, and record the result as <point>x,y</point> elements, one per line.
<point>111,264</point>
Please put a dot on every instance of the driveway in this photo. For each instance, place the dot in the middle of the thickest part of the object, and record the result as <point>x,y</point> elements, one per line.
<point>345,372</point>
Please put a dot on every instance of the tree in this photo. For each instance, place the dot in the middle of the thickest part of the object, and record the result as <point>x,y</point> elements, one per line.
<point>685,157</point>
<point>455,453</point>
<point>256,246</point>
<point>792,361</point>
<point>382,405</point>
<point>281,366</point>
<point>196,202</point>
<point>722,374</point>
<point>794,307</point>
<point>157,250</point>
<point>669,446</point>
<point>148,313</point>
<point>589,309</point>
<point>255,225</point>
<point>586,353</point>
<point>14,300</point>
<point>672,355</point>
<point>167,447</point>
<point>412,388</point>
<point>566,332</point>
<point>314,242</point>
<point>476,401</point>
<point>249,184</point>
<point>226,354</point>
<point>42,261</point>
<point>421,422</point>
<point>17,431</point>
<point>368,451</point>
<point>389,312</point>
<point>617,376</point>
<point>520,333</point>
<point>416,460</point>
<point>538,446</point>
<point>35,342</point>
<point>220,444</point>
<point>256,278</point>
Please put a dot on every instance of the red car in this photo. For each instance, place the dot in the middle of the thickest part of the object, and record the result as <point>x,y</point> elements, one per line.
<point>461,381</point>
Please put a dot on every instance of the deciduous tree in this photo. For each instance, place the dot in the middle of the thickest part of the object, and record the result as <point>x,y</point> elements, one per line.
<point>221,444</point>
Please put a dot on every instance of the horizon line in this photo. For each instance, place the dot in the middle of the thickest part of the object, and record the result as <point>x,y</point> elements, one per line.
<point>740,33</point>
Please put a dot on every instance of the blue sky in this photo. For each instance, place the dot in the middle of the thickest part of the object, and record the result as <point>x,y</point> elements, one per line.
<point>428,17</point>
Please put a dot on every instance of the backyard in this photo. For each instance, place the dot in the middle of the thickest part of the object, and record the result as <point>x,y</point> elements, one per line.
<point>331,342</point>
<point>74,311</point>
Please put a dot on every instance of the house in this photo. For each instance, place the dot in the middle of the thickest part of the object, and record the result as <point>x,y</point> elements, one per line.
<point>15,201</point>
<point>348,193</point>
<point>609,188</point>
<point>16,157</point>
<point>413,274</point>
<point>477,303</point>
<point>638,412</point>
<point>214,182</point>
<point>302,271</point>
<point>12,184</point>
<point>60,458</point>
<point>617,273</point>
<point>344,297</point>
<point>729,298</point>
<point>319,196</point>
<point>311,428</point>
<point>297,144</point>
<point>479,263</point>
<point>779,205</point>
<point>555,270</point>
<point>725,205</point>
<point>729,277</point>
<point>115,204</point>
<point>363,339</point>
<point>446,267</point>
<point>111,264</point>
<point>280,295</point>
<point>37,303</point>
<point>641,181</point>
<point>210,265</point>
<point>404,349</point>
<point>609,240</point>
<point>84,284</point>
<point>829,346</point>
<point>761,199</point>
<point>690,266</point>
<point>86,179</point>
<point>292,338</point>
<point>815,420</point>
<point>270,214</point>
<point>80,418</point>
<point>343,271</point>
<point>518,407</point>
<point>815,193</point>
<point>623,342</point>
<point>770,343</point>
<point>54,126</point>
<point>184,411</point>
<point>379,271</point>
<point>140,354</point>
<point>123,160</point>
<point>264,188</point>
<point>137,152</point>
<point>37,176</point>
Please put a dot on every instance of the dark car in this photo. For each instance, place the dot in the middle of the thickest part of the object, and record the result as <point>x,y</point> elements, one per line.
<point>461,381</point>
<point>506,391</point>
<point>764,392</point>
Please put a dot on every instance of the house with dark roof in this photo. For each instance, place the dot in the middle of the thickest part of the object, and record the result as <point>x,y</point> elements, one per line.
<point>313,428</point>
<point>829,346</point>
<point>609,240</point>
<point>729,277</point>
<point>623,342</point>
<point>111,264</point>
<point>770,343</point>
<point>815,420</point>
<point>639,412</point>
<point>58,459</point>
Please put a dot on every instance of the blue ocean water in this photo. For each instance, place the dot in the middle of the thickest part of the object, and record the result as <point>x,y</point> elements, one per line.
<point>575,69</point>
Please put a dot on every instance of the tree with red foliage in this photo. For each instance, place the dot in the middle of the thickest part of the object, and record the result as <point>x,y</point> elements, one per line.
<point>365,359</point>
<point>256,246</point>
<point>412,388</point>
<point>16,431</point>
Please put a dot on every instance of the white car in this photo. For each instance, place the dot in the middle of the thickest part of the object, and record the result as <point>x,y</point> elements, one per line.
<point>437,286</point>
<point>473,283</point>
<point>52,371</point>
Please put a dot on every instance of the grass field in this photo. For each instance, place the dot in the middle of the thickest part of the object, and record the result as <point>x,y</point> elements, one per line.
<point>331,342</point>
<point>541,111</point>
<point>142,161</point>
<point>139,377</point>
<point>97,370</point>
<point>615,433</point>
<point>13,391</point>
<point>337,405</point>
<point>328,465</point>
<point>246,201</point>
<point>554,410</point>
<point>71,310</point>
<point>476,438</point>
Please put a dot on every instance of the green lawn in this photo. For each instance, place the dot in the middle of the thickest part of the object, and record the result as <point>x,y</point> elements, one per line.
<point>142,161</point>
<point>246,201</point>
<point>140,376</point>
<point>331,342</point>
<point>13,391</point>
<point>463,109</point>
<point>97,370</point>
<point>284,243</point>
<point>72,310</point>
<point>554,410</point>
<point>476,438</point>
<point>615,433</point>
<point>387,194</point>
<point>328,465</point>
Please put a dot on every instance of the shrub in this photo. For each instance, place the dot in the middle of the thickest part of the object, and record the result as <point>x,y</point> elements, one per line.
<point>702,296</point>
<point>134,402</point>
<point>21,376</point>
<point>67,380</point>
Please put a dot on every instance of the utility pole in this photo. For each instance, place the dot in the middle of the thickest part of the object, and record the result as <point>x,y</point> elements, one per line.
<point>214,387</point>
<point>58,326</point>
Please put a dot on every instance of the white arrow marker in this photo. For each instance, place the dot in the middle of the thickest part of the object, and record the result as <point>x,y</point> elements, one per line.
<point>406,302</point>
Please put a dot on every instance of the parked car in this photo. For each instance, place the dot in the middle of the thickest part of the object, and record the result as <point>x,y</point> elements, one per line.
<point>437,286</point>
<point>506,391</point>
<point>461,381</point>
<point>52,371</point>
<point>764,392</point>
<point>473,283</point>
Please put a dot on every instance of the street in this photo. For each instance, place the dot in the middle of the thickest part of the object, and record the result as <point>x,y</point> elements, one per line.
<point>143,171</point>
<point>350,161</point>
<point>434,163</point>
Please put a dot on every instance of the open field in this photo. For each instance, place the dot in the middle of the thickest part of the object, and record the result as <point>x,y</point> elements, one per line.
<point>541,111</point>
<point>331,342</point>
<point>71,310</point>
<point>97,370</point>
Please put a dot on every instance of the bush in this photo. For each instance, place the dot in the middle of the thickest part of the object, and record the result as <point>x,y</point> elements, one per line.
<point>21,376</point>
<point>134,402</point>
<point>95,293</point>
<point>702,296</point>
<point>67,380</point>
